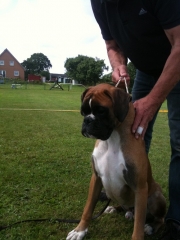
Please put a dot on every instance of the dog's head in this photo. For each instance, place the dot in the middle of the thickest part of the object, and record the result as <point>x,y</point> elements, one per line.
<point>103,108</point>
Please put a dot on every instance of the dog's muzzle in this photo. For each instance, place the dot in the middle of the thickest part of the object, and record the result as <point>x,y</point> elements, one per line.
<point>87,127</point>
<point>93,127</point>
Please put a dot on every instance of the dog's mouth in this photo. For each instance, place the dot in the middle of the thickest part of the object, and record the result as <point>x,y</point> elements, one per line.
<point>96,130</point>
<point>85,134</point>
<point>100,136</point>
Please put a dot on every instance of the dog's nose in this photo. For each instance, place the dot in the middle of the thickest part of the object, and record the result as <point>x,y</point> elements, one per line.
<point>88,120</point>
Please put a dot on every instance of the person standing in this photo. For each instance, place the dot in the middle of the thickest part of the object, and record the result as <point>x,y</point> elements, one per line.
<point>148,33</point>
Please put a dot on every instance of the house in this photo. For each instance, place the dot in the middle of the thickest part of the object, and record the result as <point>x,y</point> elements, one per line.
<point>10,67</point>
<point>33,77</point>
<point>62,78</point>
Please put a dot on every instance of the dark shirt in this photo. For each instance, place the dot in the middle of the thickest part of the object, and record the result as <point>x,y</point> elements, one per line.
<point>138,28</point>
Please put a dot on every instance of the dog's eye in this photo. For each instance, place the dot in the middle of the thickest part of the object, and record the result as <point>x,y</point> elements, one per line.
<point>100,110</point>
<point>85,111</point>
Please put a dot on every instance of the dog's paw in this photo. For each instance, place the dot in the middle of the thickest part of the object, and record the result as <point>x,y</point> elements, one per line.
<point>75,235</point>
<point>129,215</point>
<point>110,209</point>
<point>148,229</point>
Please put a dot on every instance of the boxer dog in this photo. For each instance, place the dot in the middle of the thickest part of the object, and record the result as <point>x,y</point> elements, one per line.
<point>119,161</point>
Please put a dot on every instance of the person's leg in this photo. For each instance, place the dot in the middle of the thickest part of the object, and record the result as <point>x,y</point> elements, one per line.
<point>172,220</point>
<point>143,84</point>
<point>173,102</point>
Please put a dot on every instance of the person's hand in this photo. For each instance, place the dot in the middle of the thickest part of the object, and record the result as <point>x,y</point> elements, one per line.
<point>120,72</point>
<point>145,109</point>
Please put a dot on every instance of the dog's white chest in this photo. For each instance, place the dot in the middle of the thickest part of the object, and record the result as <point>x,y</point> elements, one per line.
<point>110,165</point>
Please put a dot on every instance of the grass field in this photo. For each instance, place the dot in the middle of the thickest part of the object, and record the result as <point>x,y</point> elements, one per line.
<point>45,165</point>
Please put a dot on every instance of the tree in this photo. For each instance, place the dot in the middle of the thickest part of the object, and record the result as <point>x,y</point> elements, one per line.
<point>36,64</point>
<point>45,74</point>
<point>86,70</point>
<point>107,78</point>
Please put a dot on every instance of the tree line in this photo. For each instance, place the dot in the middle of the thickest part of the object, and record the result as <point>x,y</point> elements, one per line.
<point>86,70</point>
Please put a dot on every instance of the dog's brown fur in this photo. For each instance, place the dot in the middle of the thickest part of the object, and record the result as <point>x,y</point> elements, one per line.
<point>141,190</point>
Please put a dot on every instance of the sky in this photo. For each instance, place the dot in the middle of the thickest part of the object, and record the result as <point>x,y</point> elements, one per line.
<point>59,29</point>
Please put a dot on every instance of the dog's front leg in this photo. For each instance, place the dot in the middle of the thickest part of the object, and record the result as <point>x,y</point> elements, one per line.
<point>94,190</point>
<point>141,195</point>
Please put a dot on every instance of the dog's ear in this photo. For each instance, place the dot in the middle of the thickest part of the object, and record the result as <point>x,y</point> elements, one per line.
<point>120,101</point>
<point>84,104</point>
<point>84,93</point>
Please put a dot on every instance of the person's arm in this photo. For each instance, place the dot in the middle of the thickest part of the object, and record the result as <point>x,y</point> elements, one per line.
<point>116,57</point>
<point>147,106</point>
<point>118,62</point>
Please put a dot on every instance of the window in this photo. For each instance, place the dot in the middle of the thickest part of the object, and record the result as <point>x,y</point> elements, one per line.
<point>3,73</point>
<point>16,73</point>
<point>11,63</point>
<point>1,62</point>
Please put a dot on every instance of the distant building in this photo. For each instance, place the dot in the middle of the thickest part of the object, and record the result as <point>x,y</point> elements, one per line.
<point>10,67</point>
<point>33,77</point>
<point>62,78</point>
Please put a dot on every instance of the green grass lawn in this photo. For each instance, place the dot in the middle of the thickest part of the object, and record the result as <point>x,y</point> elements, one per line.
<point>45,165</point>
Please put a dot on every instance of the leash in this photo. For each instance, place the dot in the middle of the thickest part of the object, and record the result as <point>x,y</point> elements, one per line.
<point>125,81</point>
<point>59,220</point>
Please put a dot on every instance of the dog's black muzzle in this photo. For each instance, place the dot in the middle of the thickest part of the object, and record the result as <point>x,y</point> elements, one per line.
<point>95,128</point>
